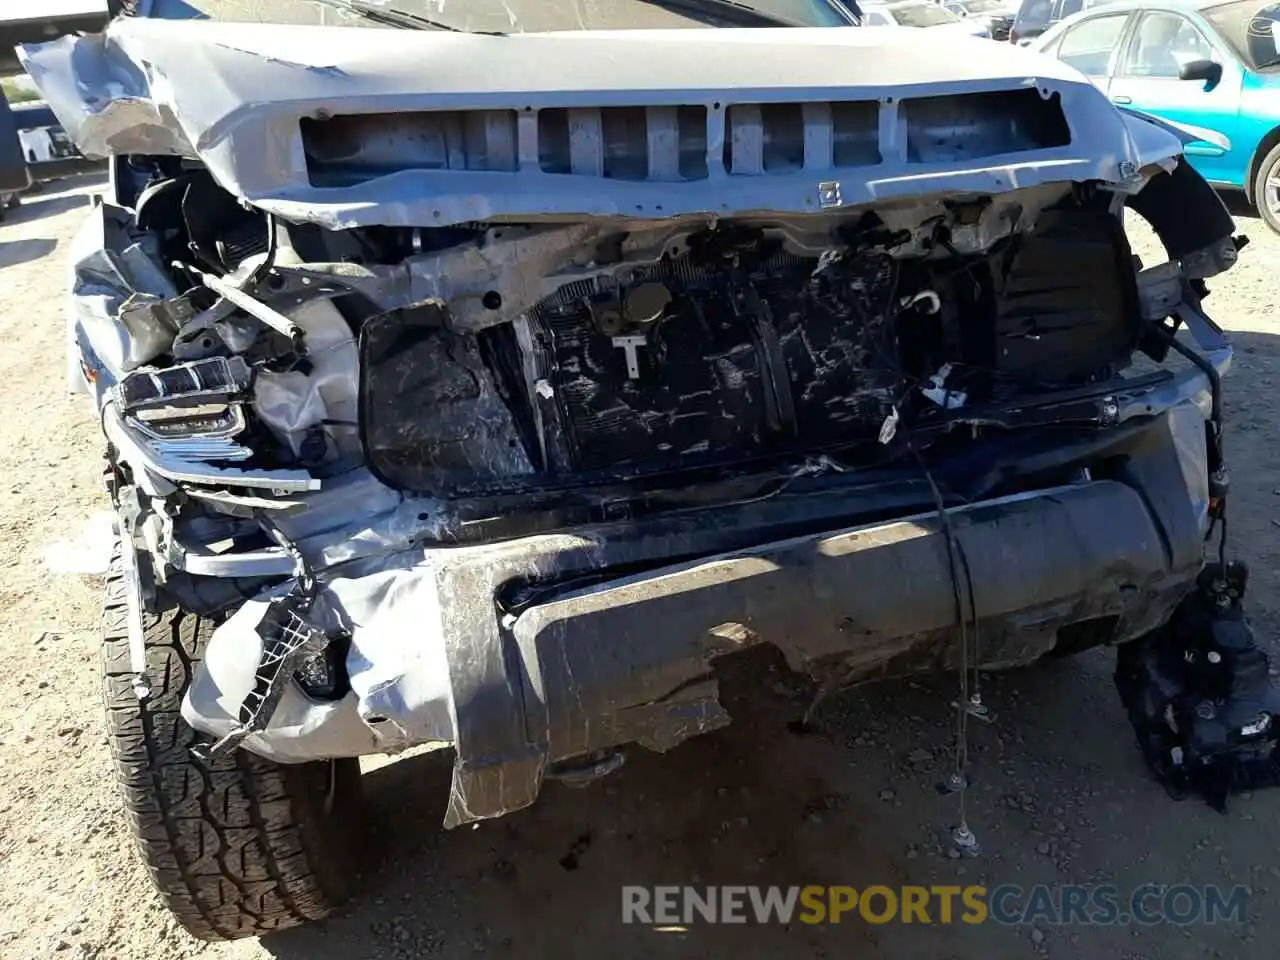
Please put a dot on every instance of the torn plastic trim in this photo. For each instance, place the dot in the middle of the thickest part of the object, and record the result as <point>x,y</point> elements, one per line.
<point>288,639</point>
<point>1184,132</point>
<point>163,467</point>
<point>245,504</point>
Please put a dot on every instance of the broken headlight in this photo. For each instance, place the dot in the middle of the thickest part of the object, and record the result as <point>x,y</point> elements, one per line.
<point>189,400</point>
<point>199,420</point>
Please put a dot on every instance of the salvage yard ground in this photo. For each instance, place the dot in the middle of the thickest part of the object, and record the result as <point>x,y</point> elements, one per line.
<point>1060,795</point>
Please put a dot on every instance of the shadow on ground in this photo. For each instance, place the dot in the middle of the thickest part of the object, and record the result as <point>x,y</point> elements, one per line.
<point>752,804</point>
<point>13,252</point>
<point>1245,213</point>
<point>54,197</point>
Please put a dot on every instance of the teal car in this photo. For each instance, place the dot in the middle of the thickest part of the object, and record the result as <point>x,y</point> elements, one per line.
<point>1211,68</point>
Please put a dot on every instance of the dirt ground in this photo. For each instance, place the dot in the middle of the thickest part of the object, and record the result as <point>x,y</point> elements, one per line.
<point>1060,794</point>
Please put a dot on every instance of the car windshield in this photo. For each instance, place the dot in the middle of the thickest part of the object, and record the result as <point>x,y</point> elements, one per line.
<point>920,14</point>
<point>1253,30</point>
<point>979,7</point>
<point>515,16</point>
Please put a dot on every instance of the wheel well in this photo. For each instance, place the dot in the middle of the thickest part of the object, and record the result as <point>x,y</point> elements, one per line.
<point>1265,147</point>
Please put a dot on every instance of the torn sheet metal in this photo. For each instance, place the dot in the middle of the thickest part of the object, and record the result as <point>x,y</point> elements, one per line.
<point>205,89</point>
<point>123,310</point>
<point>400,694</point>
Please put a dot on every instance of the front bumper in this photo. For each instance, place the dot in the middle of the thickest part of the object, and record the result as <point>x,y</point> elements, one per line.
<point>507,653</point>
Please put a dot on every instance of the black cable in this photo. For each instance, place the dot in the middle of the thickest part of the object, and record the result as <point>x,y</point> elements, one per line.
<point>1209,370</point>
<point>955,558</point>
<point>1222,546</point>
<point>269,260</point>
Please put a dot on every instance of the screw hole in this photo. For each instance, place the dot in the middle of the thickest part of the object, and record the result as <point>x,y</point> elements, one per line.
<point>492,300</point>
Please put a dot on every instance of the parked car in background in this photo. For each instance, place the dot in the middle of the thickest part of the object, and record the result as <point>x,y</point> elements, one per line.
<point>33,144</point>
<point>14,177</point>
<point>1034,17</point>
<point>1210,67</point>
<point>998,15</point>
<point>47,150</point>
<point>920,13</point>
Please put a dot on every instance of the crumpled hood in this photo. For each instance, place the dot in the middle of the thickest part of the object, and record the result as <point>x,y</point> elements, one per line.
<point>246,98</point>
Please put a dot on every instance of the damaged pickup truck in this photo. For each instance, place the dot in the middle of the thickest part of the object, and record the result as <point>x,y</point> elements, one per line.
<point>481,390</point>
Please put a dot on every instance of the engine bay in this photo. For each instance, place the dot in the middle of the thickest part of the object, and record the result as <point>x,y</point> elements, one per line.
<point>741,350</point>
<point>487,360</point>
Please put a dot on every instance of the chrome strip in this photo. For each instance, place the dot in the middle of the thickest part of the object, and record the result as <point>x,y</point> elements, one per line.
<point>177,465</point>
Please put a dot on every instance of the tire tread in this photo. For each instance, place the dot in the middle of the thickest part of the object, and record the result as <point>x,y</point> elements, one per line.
<point>235,847</point>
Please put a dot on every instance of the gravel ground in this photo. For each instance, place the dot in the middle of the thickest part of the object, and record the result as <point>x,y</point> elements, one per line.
<point>1059,795</point>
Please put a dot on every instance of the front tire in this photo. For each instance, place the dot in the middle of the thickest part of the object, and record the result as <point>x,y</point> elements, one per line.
<point>238,847</point>
<point>1266,189</point>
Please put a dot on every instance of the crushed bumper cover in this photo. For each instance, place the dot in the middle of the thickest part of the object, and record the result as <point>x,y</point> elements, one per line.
<point>444,651</point>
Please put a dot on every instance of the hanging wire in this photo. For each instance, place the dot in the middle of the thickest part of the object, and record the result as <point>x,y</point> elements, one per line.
<point>955,561</point>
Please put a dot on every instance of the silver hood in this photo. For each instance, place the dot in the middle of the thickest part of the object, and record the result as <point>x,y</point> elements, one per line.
<point>353,127</point>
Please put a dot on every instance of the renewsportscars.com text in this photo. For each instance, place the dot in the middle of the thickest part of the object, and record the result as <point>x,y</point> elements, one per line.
<point>1007,904</point>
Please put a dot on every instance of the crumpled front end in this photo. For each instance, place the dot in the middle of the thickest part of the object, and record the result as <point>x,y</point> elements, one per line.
<point>533,657</point>
<point>488,408</point>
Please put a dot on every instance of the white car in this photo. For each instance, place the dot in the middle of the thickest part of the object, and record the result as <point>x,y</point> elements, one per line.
<point>998,15</point>
<point>922,13</point>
